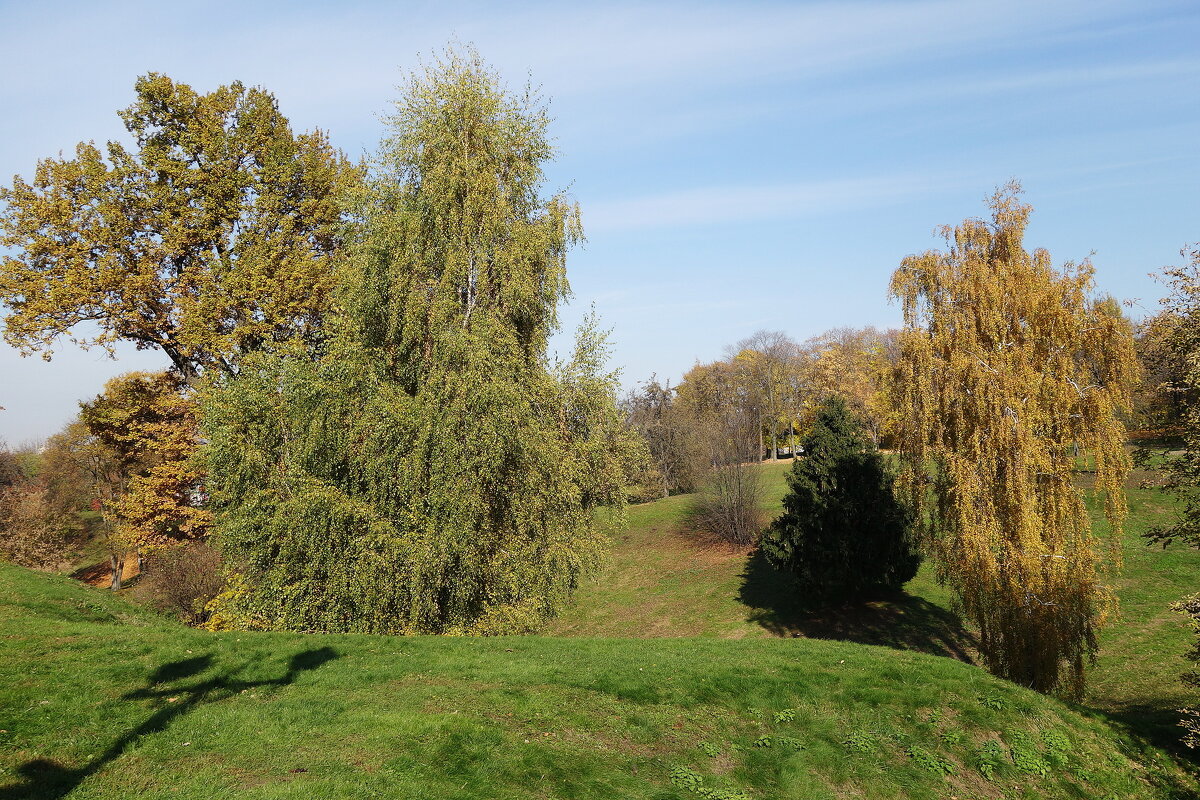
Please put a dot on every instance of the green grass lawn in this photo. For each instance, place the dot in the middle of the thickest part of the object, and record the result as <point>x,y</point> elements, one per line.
<point>663,581</point>
<point>101,700</point>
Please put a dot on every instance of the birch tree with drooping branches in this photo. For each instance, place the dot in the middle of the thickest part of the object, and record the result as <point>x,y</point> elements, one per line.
<point>1009,369</point>
<point>435,471</point>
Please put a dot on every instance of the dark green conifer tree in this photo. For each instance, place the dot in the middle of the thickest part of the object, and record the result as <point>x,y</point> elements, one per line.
<point>842,532</point>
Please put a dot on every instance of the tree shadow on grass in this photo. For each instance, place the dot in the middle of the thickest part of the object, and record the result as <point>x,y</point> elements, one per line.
<point>895,619</point>
<point>1149,726</point>
<point>43,779</point>
<point>1154,724</point>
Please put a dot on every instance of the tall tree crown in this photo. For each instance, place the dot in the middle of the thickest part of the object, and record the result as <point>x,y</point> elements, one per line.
<point>433,471</point>
<point>211,238</point>
<point>461,252</point>
<point>1007,368</point>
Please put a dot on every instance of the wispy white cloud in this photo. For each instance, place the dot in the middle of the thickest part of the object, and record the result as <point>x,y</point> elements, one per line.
<point>605,47</point>
<point>741,203</point>
<point>573,49</point>
<point>954,87</point>
<point>338,68</point>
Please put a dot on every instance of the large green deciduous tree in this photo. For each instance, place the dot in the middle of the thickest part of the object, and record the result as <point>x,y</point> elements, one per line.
<point>842,531</point>
<point>434,472</point>
<point>211,238</point>
<point>1008,367</point>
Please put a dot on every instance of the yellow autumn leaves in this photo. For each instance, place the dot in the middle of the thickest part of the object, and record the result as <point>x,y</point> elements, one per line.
<point>1010,371</point>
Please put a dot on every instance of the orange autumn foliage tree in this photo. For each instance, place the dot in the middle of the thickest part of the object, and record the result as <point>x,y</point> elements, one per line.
<point>150,426</point>
<point>1007,367</point>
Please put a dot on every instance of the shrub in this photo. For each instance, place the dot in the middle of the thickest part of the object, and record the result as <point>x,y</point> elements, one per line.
<point>183,580</point>
<point>728,503</point>
<point>843,533</point>
<point>29,535</point>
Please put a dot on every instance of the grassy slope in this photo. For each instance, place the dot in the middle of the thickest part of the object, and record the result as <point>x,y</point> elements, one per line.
<point>1136,678</point>
<point>100,700</point>
<point>662,581</point>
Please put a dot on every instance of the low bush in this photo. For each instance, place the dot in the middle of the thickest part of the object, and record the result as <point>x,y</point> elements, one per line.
<point>182,580</point>
<point>729,504</point>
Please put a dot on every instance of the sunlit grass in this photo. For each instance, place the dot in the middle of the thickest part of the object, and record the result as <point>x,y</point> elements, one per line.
<point>663,581</point>
<point>105,701</point>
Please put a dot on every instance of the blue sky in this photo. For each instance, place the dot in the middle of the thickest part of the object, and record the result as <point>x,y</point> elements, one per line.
<point>739,165</point>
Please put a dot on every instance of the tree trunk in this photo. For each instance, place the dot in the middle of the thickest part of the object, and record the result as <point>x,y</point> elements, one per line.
<point>760,436</point>
<point>118,569</point>
<point>774,443</point>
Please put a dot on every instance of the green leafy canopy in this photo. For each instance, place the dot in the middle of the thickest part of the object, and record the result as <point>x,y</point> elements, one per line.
<point>434,472</point>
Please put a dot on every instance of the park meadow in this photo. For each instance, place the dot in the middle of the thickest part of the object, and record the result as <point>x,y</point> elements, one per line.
<point>367,536</point>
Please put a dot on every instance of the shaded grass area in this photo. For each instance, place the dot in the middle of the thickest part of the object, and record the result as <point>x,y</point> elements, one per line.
<point>104,701</point>
<point>664,581</point>
<point>898,619</point>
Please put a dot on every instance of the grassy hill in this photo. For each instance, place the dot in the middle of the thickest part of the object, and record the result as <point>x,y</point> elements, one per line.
<point>711,683</point>
<point>102,700</point>
<point>663,581</point>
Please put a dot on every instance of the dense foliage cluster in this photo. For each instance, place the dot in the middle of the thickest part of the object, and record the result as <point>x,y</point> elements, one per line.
<point>673,441</point>
<point>212,238</point>
<point>434,472</point>
<point>857,365</point>
<point>842,531</point>
<point>27,536</point>
<point>149,427</point>
<point>1008,367</point>
<point>1162,399</point>
<point>1179,344</point>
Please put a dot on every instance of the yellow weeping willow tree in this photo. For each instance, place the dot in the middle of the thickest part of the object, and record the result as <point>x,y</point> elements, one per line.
<point>1009,369</point>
